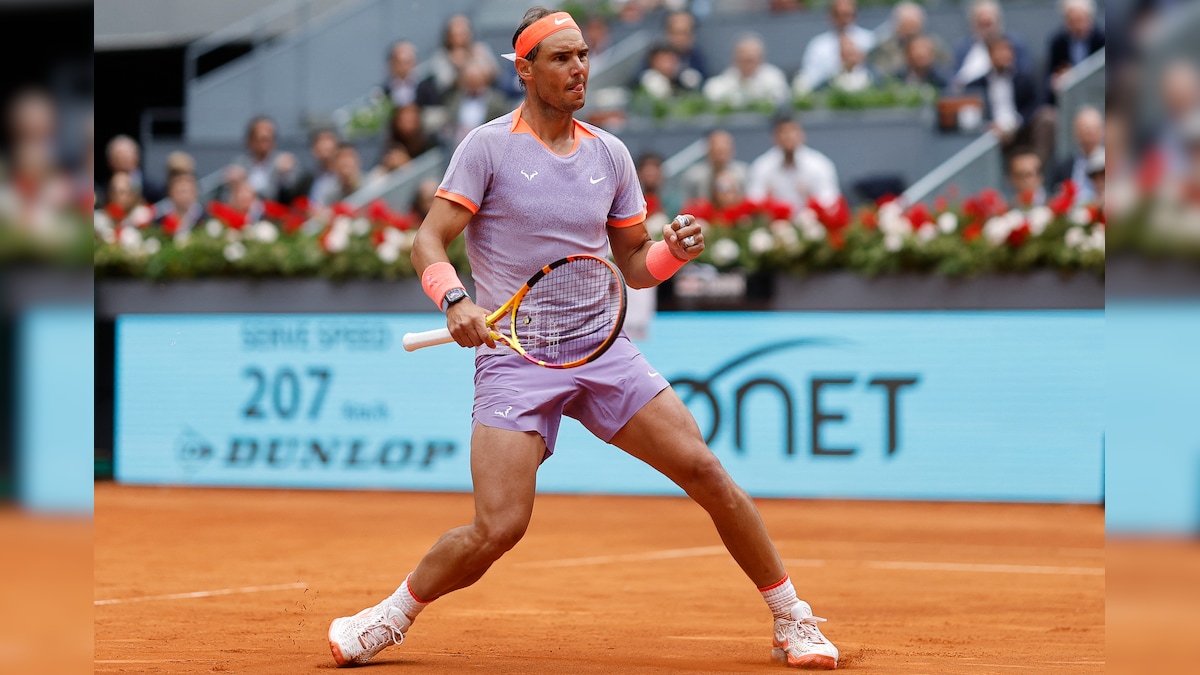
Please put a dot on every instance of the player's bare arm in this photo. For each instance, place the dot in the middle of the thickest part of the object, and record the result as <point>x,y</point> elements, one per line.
<point>445,222</point>
<point>630,246</point>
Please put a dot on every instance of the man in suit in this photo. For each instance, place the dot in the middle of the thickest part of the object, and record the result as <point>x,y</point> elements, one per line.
<point>403,85</point>
<point>1089,137</point>
<point>971,57</point>
<point>1078,39</point>
<point>1013,103</point>
<point>124,156</point>
<point>268,172</point>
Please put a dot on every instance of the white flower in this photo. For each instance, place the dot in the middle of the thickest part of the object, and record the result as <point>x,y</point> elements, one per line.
<point>151,246</point>
<point>337,240</point>
<point>947,223</point>
<point>232,235</point>
<point>760,241</point>
<point>130,239</point>
<point>407,239</point>
<point>1081,216</point>
<point>1015,218</point>
<point>235,251</point>
<point>182,239</point>
<point>725,251</point>
<point>810,228</point>
<point>892,220</point>
<point>1075,237</point>
<point>1095,241</point>
<point>102,222</point>
<point>893,242</point>
<point>996,230</point>
<point>264,232</point>
<point>656,84</point>
<point>785,233</point>
<point>141,216</point>
<point>655,223</point>
<point>392,236</point>
<point>108,236</point>
<point>213,227</point>
<point>341,224</point>
<point>1039,218</point>
<point>388,253</point>
<point>927,233</point>
<point>889,210</point>
<point>360,227</point>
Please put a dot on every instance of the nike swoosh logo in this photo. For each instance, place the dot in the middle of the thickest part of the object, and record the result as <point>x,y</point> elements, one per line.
<point>559,22</point>
<point>597,180</point>
<point>651,373</point>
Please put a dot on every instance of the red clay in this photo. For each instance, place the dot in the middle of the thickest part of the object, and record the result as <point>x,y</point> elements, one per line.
<point>599,585</point>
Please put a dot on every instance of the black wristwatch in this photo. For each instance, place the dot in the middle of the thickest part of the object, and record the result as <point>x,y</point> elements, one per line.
<point>452,296</point>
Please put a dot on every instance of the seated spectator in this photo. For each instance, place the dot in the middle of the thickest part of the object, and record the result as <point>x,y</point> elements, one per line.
<point>393,157</point>
<point>792,172</point>
<point>269,173</point>
<point>649,173</point>
<point>122,196</point>
<point>403,86</point>
<point>750,79</point>
<point>971,58</point>
<point>1179,90</point>
<point>920,66</point>
<point>179,162</point>
<point>1078,39</point>
<point>822,58</point>
<point>124,156</point>
<point>890,58</point>
<point>598,38</point>
<point>699,180</point>
<point>458,49</point>
<point>347,167</point>
<point>665,77</point>
<point>1089,137</point>
<point>423,200</point>
<point>244,200</point>
<point>1025,176</point>
<point>1013,103</point>
<point>183,209</point>
<point>854,74</point>
<point>319,183</point>
<point>727,190</point>
<point>474,102</point>
<point>1095,174</point>
<point>679,30</point>
<point>407,131</point>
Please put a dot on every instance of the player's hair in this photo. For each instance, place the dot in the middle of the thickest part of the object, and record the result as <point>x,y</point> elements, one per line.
<point>531,15</point>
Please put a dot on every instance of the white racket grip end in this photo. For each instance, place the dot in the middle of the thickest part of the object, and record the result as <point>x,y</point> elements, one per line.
<point>429,338</point>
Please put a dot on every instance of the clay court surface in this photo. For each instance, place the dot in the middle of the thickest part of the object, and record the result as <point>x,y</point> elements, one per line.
<point>246,581</point>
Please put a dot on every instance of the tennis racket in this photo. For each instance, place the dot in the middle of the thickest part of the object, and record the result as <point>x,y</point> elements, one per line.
<point>569,313</point>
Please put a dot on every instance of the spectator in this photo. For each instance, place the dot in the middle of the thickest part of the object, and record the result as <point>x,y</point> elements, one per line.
<point>598,38</point>
<point>1013,103</point>
<point>347,167</point>
<point>1078,39</point>
<point>1095,174</point>
<point>649,173</point>
<point>403,86</point>
<point>474,102</point>
<point>890,58</point>
<point>1025,175</point>
<point>792,172</point>
<point>699,180</point>
<point>679,30</point>
<point>406,130</point>
<point>269,173</point>
<point>854,74</point>
<point>122,195</point>
<point>179,162</point>
<point>971,57</point>
<point>920,64</point>
<point>458,49</point>
<point>393,157</point>
<point>1179,86</point>
<point>246,201</point>
<point>822,58</point>
<point>727,190</point>
<point>666,76</point>
<point>750,79</point>
<point>319,183</point>
<point>1089,137</point>
<point>183,208</point>
<point>124,156</point>
<point>423,200</point>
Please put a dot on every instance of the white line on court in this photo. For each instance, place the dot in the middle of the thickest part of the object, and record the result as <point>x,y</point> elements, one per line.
<point>981,567</point>
<point>628,557</point>
<point>205,594</point>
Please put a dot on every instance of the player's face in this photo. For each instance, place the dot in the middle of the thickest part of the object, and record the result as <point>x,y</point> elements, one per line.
<point>560,71</point>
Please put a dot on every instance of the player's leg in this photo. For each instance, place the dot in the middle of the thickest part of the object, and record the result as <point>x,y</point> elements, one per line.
<point>503,471</point>
<point>664,434</point>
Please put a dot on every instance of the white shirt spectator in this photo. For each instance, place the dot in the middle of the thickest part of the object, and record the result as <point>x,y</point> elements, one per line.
<point>975,65</point>
<point>823,56</point>
<point>768,83</point>
<point>811,174</point>
<point>1000,96</point>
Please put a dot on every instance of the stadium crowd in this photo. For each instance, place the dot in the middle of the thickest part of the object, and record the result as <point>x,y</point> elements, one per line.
<point>436,98</point>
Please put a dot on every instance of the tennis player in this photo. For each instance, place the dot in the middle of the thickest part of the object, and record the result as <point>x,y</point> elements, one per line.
<point>527,188</point>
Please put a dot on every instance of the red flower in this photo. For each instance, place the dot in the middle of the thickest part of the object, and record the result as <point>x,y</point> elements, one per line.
<point>1095,213</point>
<point>1025,198</point>
<point>701,208</point>
<point>837,240</point>
<point>918,214</point>
<point>275,210</point>
<point>170,223</point>
<point>301,203</point>
<point>1061,202</point>
<point>115,212</point>
<point>1019,235</point>
<point>940,204</point>
<point>293,222</point>
<point>232,218</point>
<point>653,204</point>
<point>972,232</point>
<point>834,217</point>
<point>889,197</point>
<point>869,219</point>
<point>778,210</point>
<point>342,209</point>
<point>993,201</point>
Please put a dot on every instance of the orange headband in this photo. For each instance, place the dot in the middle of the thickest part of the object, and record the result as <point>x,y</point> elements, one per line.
<point>540,30</point>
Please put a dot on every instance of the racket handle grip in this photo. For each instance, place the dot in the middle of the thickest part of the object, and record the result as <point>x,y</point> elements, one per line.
<point>429,338</point>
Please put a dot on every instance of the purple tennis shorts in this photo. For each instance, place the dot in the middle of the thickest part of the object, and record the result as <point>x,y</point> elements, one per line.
<point>512,393</point>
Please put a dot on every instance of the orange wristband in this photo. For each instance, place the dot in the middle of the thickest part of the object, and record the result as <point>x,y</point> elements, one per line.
<point>439,278</point>
<point>661,263</point>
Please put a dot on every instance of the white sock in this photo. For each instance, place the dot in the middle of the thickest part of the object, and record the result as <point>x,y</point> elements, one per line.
<point>407,601</point>
<point>780,597</point>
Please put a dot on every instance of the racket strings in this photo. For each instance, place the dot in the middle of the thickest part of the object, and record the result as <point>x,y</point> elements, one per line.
<point>570,312</point>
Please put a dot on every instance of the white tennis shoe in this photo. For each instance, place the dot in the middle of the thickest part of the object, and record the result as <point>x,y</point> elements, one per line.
<point>798,642</point>
<point>356,639</point>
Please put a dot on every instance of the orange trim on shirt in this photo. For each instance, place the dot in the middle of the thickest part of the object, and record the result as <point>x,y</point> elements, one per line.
<point>628,222</point>
<point>458,199</point>
<point>520,126</point>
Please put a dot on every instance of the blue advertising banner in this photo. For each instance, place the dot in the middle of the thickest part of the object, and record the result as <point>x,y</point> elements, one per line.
<point>905,405</point>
